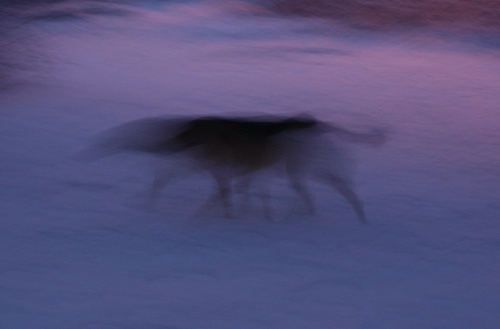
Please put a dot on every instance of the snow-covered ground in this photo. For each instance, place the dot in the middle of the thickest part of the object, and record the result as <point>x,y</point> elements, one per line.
<point>77,249</point>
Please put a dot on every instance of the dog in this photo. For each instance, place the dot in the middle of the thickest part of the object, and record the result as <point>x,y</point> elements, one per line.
<point>236,148</point>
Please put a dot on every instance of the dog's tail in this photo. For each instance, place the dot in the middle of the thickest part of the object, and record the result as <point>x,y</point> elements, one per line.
<point>150,135</point>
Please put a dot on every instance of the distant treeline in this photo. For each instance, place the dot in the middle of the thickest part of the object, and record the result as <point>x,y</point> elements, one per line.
<point>11,3</point>
<point>390,13</point>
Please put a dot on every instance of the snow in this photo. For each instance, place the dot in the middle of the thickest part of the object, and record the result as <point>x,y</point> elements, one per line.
<point>78,249</point>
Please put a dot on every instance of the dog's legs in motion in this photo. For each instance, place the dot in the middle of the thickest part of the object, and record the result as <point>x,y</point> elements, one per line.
<point>222,195</point>
<point>296,179</point>
<point>264,197</point>
<point>348,193</point>
<point>162,178</point>
<point>243,187</point>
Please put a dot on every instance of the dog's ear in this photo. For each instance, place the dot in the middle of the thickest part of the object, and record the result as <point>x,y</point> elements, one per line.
<point>302,121</point>
<point>304,116</point>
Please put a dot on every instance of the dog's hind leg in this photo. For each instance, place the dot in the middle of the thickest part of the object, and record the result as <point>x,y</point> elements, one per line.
<point>147,200</point>
<point>160,181</point>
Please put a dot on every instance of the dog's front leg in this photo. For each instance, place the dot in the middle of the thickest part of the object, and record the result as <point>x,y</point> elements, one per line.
<point>348,193</point>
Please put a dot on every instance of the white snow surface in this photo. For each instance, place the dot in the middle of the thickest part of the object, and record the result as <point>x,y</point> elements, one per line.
<point>79,250</point>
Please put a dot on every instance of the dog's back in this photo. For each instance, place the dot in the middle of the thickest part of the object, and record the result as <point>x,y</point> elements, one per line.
<point>245,144</point>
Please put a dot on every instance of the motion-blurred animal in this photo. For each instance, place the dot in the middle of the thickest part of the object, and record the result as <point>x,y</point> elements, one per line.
<point>234,149</point>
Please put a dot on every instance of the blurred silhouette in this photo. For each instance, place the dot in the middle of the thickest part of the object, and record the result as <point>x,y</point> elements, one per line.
<point>233,150</point>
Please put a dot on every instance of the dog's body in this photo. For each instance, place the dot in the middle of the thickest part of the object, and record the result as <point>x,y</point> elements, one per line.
<point>236,148</point>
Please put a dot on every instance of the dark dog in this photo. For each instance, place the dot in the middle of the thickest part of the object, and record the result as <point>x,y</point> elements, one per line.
<point>236,148</point>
